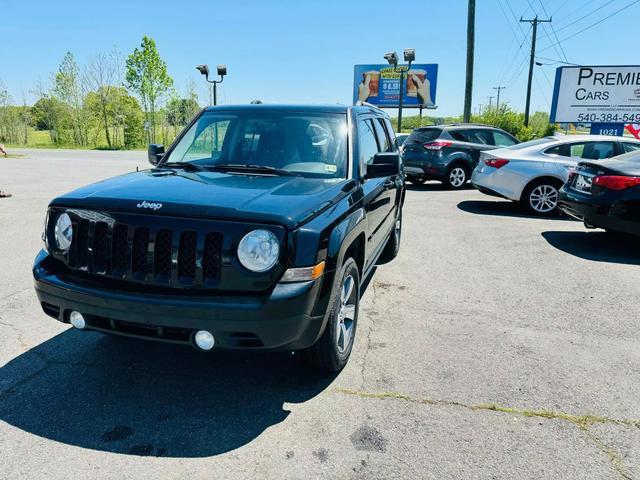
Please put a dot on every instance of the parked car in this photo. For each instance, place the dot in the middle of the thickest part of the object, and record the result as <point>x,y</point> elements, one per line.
<point>532,172</point>
<point>253,231</point>
<point>449,153</point>
<point>605,194</point>
<point>400,139</point>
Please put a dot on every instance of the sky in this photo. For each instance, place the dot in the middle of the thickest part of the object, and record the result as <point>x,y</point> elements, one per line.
<point>303,51</point>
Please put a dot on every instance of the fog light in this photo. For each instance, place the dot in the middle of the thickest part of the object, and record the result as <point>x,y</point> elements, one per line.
<point>204,340</point>
<point>77,320</point>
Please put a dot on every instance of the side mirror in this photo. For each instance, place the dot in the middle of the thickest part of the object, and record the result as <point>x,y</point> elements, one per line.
<point>398,142</point>
<point>155,153</point>
<point>384,165</point>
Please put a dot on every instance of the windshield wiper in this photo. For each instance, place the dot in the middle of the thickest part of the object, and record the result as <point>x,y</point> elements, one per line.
<point>185,166</point>
<point>255,168</point>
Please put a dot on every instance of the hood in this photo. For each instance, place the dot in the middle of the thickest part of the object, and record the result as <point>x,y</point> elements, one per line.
<point>289,201</point>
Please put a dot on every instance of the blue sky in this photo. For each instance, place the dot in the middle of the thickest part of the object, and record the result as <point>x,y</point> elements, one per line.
<point>298,51</point>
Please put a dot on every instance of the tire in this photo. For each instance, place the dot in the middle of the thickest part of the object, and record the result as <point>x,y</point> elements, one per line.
<point>332,350</point>
<point>392,247</point>
<point>417,180</point>
<point>456,177</point>
<point>540,197</point>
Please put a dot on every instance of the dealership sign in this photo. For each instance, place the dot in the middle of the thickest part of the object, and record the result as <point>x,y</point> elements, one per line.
<point>380,85</point>
<point>608,94</point>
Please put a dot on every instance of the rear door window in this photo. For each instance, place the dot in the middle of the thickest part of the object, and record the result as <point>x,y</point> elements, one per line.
<point>480,136</point>
<point>592,150</point>
<point>383,139</point>
<point>502,140</point>
<point>423,135</point>
<point>390,132</point>
<point>460,135</point>
<point>564,150</point>
<point>630,147</point>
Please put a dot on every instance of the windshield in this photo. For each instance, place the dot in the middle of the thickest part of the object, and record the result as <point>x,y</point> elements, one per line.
<point>307,144</point>
<point>421,135</point>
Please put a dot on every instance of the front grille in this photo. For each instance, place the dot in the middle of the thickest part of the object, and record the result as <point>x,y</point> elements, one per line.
<point>143,254</point>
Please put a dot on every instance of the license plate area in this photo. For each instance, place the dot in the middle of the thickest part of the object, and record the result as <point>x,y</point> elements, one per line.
<point>582,183</point>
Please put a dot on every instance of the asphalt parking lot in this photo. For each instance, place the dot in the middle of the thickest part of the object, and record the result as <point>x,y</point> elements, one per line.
<point>495,346</point>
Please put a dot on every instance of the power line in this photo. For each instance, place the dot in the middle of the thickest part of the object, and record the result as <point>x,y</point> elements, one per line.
<point>582,17</point>
<point>514,40</point>
<point>560,7</point>
<point>561,52</point>
<point>596,23</point>
<point>554,61</point>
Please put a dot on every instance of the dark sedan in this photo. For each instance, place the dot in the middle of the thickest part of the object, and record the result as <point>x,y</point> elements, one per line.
<point>605,194</point>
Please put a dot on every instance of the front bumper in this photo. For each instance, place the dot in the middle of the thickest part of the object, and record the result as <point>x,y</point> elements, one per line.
<point>595,213</point>
<point>285,319</point>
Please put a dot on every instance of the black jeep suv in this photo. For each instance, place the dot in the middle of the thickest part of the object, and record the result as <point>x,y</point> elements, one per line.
<point>449,153</point>
<point>253,231</point>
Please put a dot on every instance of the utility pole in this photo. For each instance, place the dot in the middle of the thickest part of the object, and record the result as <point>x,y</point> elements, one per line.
<point>480,105</point>
<point>468,88</point>
<point>490,97</point>
<point>534,21</point>
<point>498,99</point>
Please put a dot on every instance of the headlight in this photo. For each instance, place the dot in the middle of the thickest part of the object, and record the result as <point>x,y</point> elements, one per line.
<point>258,250</point>
<point>63,232</point>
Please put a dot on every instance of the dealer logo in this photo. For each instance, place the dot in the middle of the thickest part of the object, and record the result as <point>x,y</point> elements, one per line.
<point>149,205</point>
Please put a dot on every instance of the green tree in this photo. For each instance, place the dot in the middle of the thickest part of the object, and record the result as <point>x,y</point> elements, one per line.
<point>146,75</point>
<point>52,115</point>
<point>67,89</point>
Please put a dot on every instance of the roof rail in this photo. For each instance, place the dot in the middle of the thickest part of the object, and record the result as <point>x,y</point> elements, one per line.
<point>360,103</point>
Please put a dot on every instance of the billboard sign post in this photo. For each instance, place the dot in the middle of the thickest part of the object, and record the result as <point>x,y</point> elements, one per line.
<point>380,85</point>
<point>596,94</point>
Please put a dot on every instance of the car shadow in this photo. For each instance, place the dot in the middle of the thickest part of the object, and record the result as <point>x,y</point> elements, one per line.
<point>435,187</point>
<point>503,208</point>
<point>135,397</point>
<point>596,246</point>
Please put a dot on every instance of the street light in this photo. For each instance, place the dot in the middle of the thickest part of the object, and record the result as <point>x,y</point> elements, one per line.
<point>221,70</point>
<point>392,58</point>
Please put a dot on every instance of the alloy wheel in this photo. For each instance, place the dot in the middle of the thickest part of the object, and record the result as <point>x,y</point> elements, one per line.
<point>346,315</point>
<point>457,177</point>
<point>543,198</point>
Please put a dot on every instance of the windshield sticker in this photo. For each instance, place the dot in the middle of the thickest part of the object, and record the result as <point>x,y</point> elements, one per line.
<point>331,168</point>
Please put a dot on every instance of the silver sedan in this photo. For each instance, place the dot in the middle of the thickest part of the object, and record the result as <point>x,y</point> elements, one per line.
<point>532,172</point>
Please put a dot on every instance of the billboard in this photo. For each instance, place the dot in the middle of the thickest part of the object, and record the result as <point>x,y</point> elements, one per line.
<point>596,94</point>
<point>380,85</point>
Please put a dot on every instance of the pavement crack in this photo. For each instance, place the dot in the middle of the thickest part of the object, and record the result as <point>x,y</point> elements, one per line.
<point>583,422</point>
<point>580,420</point>
<point>614,457</point>
<point>18,333</point>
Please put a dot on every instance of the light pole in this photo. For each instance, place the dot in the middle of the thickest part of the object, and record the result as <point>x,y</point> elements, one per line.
<point>222,71</point>
<point>392,58</point>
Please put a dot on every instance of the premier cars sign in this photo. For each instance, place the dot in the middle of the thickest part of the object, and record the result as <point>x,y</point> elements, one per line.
<point>596,94</point>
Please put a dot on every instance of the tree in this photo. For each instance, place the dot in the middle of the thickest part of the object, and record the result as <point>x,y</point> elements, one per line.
<point>68,89</point>
<point>146,75</point>
<point>180,111</point>
<point>102,76</point>
<point>52,115</point>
